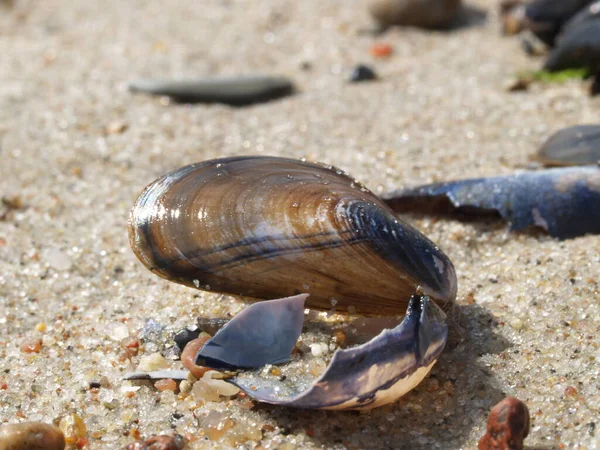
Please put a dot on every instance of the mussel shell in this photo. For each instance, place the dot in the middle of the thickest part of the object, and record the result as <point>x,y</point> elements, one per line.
<point>546,17</point>
<point>578,48</point>
<point>266,227</point>
<point>577,145</point>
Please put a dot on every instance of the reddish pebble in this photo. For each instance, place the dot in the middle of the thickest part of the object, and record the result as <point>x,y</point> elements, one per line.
<point>188,355</point>
<point>162,442</point>
<point>570,391</point>
<point>507,426</point>
<point>32,346</point>
<point>130,346</point>
<point>381,50</point>
<point>166,385</point>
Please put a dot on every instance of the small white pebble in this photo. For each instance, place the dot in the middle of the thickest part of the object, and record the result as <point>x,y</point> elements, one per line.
<point>517,324</point>
<point>185,386</point>
<point>117,331</point>
<point>152,362</point>
<point>57,259</point>
<point>319,349</point>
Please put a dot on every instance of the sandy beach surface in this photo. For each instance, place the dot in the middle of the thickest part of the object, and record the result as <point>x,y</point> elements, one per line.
<point>76,149</point>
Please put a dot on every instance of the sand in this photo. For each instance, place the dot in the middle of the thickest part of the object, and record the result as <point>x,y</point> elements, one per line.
<point>77,148</point>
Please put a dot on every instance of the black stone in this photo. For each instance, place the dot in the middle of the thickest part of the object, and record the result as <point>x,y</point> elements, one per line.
<point>362,73</point>
<point>184,336</point>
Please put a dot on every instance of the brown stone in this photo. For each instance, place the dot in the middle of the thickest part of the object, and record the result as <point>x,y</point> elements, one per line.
<point>507,426</point>
<point>31,436</point>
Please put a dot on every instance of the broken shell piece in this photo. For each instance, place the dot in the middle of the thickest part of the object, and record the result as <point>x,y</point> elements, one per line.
<point>564,201</point>
<point>578,145</point>
<point>364,377</point>
<point>177,375</point>
<point>263,333</point>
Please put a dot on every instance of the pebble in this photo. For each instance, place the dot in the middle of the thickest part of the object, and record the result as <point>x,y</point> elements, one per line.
<point>31,436</point>
<point>319,349</point>
<point>381,50</point>
<point>434,14</point>
<point>595,86</point>
<point>188,356</point>
<point>31,346</point>
<point>116,127</point>
<point>57,259</point>
<point>73,428</point>
<point>162,442</point>
<point>184,336</point>
<point>117,331</point>
<point>362,73</point>
<point>507,426</point>
<point>216,424</point>
<point>211,326</point>
<point>211,388</point>
<point>152,362</point>
<point>166,384</point>
<point>234,91</point>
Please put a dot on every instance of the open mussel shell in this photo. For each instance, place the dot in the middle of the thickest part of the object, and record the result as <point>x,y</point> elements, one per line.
<point>563,201</point>
<point>577,145</point>
<point>266,227</point>
<point>364,377</point>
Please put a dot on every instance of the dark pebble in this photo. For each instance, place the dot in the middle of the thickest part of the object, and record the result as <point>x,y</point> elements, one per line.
<point>434,14</point>
<point>595,86</point>
<point>362,73</point>
<point>184,336</point>
<point>211,326</point>
<point>234,91</point>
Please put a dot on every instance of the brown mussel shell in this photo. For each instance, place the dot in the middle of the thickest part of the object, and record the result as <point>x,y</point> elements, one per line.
<point>267,227</point>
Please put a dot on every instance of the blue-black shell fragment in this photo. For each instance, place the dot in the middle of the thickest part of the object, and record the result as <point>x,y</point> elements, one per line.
<point>563,201</point>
